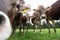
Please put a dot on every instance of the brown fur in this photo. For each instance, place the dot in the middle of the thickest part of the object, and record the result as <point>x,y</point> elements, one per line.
<point>35,19</point>
<point>53,14</point>
<point>7,7</point>
<point>19,22</point>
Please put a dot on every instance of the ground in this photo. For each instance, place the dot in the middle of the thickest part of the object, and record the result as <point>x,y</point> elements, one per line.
<point>30,35</point>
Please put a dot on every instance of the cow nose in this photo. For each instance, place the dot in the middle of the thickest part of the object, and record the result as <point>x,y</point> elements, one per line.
<point>2,19</point>
<point>19,13</point>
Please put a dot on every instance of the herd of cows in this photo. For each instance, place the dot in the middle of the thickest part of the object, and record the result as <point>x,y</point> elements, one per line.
<point>11,16</point>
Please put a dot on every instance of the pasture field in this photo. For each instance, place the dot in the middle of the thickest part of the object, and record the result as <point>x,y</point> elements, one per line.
<point>30,35</point>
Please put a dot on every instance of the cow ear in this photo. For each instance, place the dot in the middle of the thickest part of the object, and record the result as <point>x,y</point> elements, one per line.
<point>34,9</point>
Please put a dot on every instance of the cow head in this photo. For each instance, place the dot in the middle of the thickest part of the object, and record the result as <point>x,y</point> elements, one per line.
<point>15,8</point>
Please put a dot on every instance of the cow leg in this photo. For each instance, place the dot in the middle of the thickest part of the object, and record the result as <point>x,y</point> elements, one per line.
<point>23,28</point>
<point>35,28</point>
<point>41,30</point>
<point>26,27</point>
<point>40,27</point>
<point>14,29</point>
<point>48,24</point>
<point>53,25</point>
<point>20,27</point>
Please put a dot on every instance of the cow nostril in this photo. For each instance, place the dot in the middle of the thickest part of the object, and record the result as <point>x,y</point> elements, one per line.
<point>2,19</point>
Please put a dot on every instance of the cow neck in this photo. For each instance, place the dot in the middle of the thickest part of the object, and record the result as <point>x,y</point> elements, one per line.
<point>12,14</point>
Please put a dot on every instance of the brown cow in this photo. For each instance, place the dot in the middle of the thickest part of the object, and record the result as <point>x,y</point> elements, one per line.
<point>10,7</point>
<point>35,19</point>
<point>53,14</point>
<point>37,16</point>
<point>21,20</point>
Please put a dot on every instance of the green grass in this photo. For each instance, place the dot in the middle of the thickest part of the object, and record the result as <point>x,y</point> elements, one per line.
<point>30,35</point>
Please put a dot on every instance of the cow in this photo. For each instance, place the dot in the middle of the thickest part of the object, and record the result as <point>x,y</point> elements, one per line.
<point>37,17</point>
<point>53,14</point>
<point>21,20</point>
<point>9,7</point>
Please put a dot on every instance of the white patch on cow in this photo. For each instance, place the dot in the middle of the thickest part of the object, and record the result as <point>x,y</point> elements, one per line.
<point>17,1</point>
<point>24,14</point>
<point>31,12</point>
<point>16,8</point>
<point>31,21</point>
<point>43,21</point>
<point>6,28</point>
<point>50,22</point>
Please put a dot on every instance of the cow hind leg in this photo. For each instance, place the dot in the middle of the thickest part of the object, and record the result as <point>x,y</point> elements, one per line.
<point>53,25</point>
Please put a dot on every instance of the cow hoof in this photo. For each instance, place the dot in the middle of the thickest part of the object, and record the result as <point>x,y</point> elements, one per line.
<point>41,33</point>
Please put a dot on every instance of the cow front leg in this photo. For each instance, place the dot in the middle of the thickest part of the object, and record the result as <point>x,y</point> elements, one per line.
<point>14,29</point>
<point>20,27</point>
<point>48,24</point>
<point>35,28</point>
<point>40,25</point>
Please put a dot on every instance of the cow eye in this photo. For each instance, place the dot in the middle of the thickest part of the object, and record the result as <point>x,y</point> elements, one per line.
<point>18,6</point>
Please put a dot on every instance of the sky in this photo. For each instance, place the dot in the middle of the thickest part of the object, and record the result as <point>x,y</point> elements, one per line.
<point>36,3</point>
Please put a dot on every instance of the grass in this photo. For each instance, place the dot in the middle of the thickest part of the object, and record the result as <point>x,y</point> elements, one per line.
<point>30,35</point>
